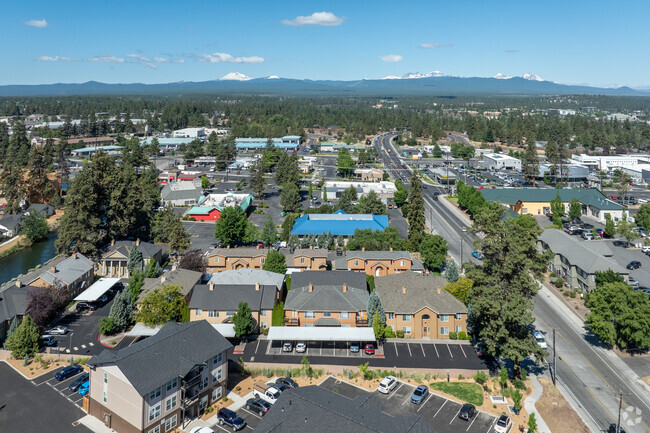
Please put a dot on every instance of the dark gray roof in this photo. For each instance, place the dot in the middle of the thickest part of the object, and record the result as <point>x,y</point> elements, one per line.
<point>44,209</point>
<point>147,249</point>
<point>68,270</point>
<point>327,321</point>
<point>184,278</point>
<point>327,291</point>
<point>313,409</point>
<point>227,297</point>
<point>341,262</point>
<point>421,291</point>
<point>303,252</point>
<point>170,353</point>
<point>11,221</point>
<point>13,302</point>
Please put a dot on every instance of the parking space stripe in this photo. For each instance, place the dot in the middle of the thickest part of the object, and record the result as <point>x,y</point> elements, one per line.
<point>435,346</point>
<point>449,349</point>
<point>470,424</point>
<point>249,412</point>
<point>257,346</point>
<point>409,347</point>
<point>396,351</point>
<point>491,424</point>
<point>422,347</point>
<point>454,417</point>
<point>461,349</point>
<point>219,426</point>
<point>395,392</point>
<point>424,402</point>
<point>443,405</point>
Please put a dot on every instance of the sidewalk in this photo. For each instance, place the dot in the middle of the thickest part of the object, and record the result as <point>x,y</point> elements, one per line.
<point>238,403</point>
<point>529,404</point>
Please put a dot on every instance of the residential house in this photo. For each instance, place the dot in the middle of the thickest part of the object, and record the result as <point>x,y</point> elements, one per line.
<point>46,210</point>
<point>225,259</point>
<point>327,298</point>
<point>377,263</point>
<point>210,207</point>
<point>13,304</point>
<point>75,273</point>
<point>113,262</point>
<point>156,384</point>
<point>577,262</point>
<point>339,223</point>
<point>314,409</point>
<point>10,225</point>
<point>184,278</point>
<point>417,304</point>
<point>305,259</point>
<point>249,277</point>
<point>182,193</point>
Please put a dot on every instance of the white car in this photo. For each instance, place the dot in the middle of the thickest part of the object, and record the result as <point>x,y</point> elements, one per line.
<point>57,330</point>
<point>301,347</point>
<point>539,338</point>
<point>387,384</point>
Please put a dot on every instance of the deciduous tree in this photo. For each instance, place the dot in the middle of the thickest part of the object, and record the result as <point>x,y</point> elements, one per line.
<point>275,262</point>
<point>575,209</point>
<point>610,228</point>
<point>25,341</point>
<point>372,204</point>
<point>162,305</point>
<point>347,197</point>
<point>40,305</point>
<point>231,225</point>
<point>243,320</point>
<point>35,227</point>
<point>193,260</point>
<point>433,249</point>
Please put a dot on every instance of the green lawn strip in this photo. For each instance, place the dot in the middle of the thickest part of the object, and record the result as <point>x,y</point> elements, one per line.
<point>468,392</point>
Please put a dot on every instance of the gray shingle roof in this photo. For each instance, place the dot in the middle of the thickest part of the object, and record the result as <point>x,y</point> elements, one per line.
<point>239,252</point>
<point>147,249</point>
<point>170,353</point>
<point>303,252</point>
<point>11,221</point>
<point>327,291</point>
<point>182,190</point>
<point>579,253</point>
<point>248,277</point>
<point>13,302</point>
<point>69,270</point>
<point>341,263</point>
<point>313,409</point>
<point>421,291</point>
<point>184,278</point>
<point>44,209</point>
<point>227,297</point>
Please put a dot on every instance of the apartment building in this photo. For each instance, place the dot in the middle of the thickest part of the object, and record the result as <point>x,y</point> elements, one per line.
<point>377,263</point>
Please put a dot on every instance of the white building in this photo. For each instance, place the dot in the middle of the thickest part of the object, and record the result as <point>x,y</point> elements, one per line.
<point>384,189</point>
<point>189,133</point>
<point>497,161</point>
<point>605,163</point>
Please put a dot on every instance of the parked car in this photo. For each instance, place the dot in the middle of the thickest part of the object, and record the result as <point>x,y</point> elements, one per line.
<point>84,388</point>
<point>600,233</point>
<point>354,347</point>
<point>387,384</point>
<point>258,406</point>
<point>587,235</point>
<point>612,429</point>
<point>539,338</point>
<point>48,340</point>
<point>85,306</point>
<point>503,424</point>
<point>78,382</point>
<point>231,419</point>
<point>287,347</point>
<point>632,282</point>
<point>57,330</point>
<point>286,381</point>
<point>369,349</point>
<point>419,394</point>
<point>634,264</point>
<point>477,255</point>
<point>301,347</point>
<point>467,412</point>
<point>68,371</point>
<point>645,249</point>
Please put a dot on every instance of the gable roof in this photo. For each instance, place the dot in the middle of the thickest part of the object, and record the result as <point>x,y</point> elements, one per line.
<point>13,302</point>
<point>578,253</point>
<point>327,291</point>
<point>12,221</point>
<point>182,190</point>
<point>67,271</point>
<point>184,278</point>
<point>170,353</point>
<point>147,249</point>
<point>338,223</point>
<point>421,291</point>
<point>239,252</point>
<point>387,256</point>
<point>227,297</point>
<point>316,409</point>
<point>43,209</point>
<point>588,196</point>
<point>248,276</point>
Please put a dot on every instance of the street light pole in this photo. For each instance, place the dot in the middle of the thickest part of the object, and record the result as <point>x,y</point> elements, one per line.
<point>70,343</point>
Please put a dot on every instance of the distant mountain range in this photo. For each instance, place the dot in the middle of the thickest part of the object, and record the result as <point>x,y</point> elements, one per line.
<point>411,84</point>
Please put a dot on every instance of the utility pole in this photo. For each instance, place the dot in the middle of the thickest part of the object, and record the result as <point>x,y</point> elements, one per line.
<point>620,405</point>
<point>554,359</point>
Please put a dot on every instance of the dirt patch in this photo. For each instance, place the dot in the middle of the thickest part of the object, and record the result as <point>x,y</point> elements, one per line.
<point>556,411</point>
<point>40,365</point>
<point>212,410</point>
<point>646,379</point>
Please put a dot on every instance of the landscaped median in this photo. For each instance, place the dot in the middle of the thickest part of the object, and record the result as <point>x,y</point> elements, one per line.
<point>464,391</point>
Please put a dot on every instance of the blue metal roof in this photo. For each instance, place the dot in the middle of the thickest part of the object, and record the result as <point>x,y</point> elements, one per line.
<point>338,223</point>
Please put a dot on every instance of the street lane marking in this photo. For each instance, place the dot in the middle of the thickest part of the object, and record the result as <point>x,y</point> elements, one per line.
<point>91,344</point>
<point>443,405</point>
<point>449,349</point>
<point>409,347</point>
<point>422,347</point>
<point>452,420</point>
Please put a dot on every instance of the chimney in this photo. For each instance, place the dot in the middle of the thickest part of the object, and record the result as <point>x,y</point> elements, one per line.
<point>74,256</point>
<point>162,279</point>
<point>311,287</point>
<point>211,286</point>
<point>137,242</point>
<point>257,286</point>
<point>403,290</point>
<point>438,290</point>
<point>363,248</point>
<point>311,247</point>
<point>53,269</point>
<point>18,283</point>
<point>345,287</point>
<point>174,267</point>
<point>228,246</point>
<point>391,249</point>
<point>112,242</point>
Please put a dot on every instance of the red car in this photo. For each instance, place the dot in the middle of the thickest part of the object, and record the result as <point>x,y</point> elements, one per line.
<point>370,349</point>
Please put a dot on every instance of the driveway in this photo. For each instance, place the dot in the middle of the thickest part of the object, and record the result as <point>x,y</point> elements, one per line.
<point>30,406</point>
<point>201,234</point>
<point>398,221</point>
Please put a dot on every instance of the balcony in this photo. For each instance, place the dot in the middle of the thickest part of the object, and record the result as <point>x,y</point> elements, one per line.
<point>362,322</point>
<point>291,322</point>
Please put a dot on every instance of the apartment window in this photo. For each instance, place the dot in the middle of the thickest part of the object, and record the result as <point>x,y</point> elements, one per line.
<point>105,397</point>
<point>216,259</point>
<point>406,329</point>
<point>170,403</point>
<point>309,325</point>
<point>155,393</point>
<point>444,317</point>
<point>263,325</point>
<point>344,315</point>
<point>459,316</point>
<point>310,315</point>
<point>171,384</point>
<point>302,260</point>
<point>217,375</point>
<point>459,329</point>
<point>356,263</point>
<point>154,412</point>
<point>391,315</point>
<point>217,359</point>
<point>105,377</point>
<point>204,383</point>
<point>345,326</point>
<point>406,317</point>
<point>171,423</point>
<point>401,263</point>
<point>262,260</point>
<point>216,394</point>
<point>327,314</point>
<point>213,313</point>
<point>444,330</point>
<point>198,312</point>
<point>229,313</point>
<point>156,429</point>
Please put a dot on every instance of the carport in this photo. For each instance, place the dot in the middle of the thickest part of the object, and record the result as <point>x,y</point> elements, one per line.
<point>298,333</point>
<point>94,292</point>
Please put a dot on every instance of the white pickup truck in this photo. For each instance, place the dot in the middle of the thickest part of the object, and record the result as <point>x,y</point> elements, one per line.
<point>266,392</point>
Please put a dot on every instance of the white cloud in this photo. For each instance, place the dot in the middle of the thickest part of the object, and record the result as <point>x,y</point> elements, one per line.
<point>428,46</point>
<point>392,58</point>
<point>55,59</point>
<point>315,19</point>
<point>41,24</point>
<point>227,58</point>
<point>105,59</point>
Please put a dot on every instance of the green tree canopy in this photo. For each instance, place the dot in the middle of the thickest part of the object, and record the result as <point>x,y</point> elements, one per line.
<point>134,261</point>
<point>243,320</point>
<point>231,225</point>
<point>575,209</point>
<point>642,218</point>
<point>25,341</point>
<point>415,215</point>
<point>290,198</point>
<point>470,198</point>
<point>530,162</point>
<point>610,227</point>
<point>345,163</point>
<point>451,272</point>
<point>269,233</point>
<point>377,240</point>
<point>162,305</point>
<point>433,249</point>
<point>460,289</point>
<point>287,171</point>
<point>375,308</point>
<point>372,204</point>
<point>625,229</point>
<point>401,194</point>
<point>35,227</point>
<point>122,311</point>
<point>275,262</point>
<point>347,197</point>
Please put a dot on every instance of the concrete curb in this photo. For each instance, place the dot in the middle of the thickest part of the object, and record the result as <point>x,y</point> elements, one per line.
<point>529,404</point>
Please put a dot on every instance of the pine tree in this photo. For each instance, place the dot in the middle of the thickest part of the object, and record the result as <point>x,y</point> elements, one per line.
<point>19,146</point>
<point>257,181</point>
<point>12,185</point>
<point>416,218</point>
<point>12,328</point>
<point>269,233</point>
<point>290,198</point>
<point>134,262</point>
<point>451,272</point>
<point>347,197</point>
<point>39,186</point>
<point>530,163</point>
<point>122,311</point>
<point>62,161</point>
<point>125,204</point>
<point>243,320</point>
<point>374,306</point>
<point>25,341</point>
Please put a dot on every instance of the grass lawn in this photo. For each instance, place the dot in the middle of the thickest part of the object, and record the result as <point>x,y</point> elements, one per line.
<point>453,199</point>
<point>465,391</point>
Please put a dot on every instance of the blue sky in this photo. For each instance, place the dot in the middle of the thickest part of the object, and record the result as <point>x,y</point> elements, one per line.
<point>595,42</point>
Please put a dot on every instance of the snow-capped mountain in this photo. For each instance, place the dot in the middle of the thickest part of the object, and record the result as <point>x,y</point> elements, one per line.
<point>532,77</point>
<point>272,77</point>
<point>413,75</point>
<point>235,76</point>
<point>501,76</point>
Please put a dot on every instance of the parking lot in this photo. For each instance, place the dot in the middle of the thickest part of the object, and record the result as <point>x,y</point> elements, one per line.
<point>439,412</point>
<point>39,405</point>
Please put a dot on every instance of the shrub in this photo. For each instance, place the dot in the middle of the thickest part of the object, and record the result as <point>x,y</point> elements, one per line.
<point>481,377</point>
<point>460,377</point>
<point>453,335</point>
<point>268,372</point>
<point>399,333</point>
<point>524,374</point>
<point>572,294</point>
<point>388,332</point>
<point>106,325</point>
<point>224,399</point>
<point>553,275</point>
<point>503,377</point>
<point>516,398</point>
<point>519,384</point>
<point>559,283</point>
<point>462,335</point>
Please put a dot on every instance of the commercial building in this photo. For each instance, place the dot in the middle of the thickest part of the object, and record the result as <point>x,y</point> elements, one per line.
<point>384,189</point>
<point>377,263</point>
<point>417,305</point>
<point>605,163</point>
<point>156,384</point>
<point>339,223</point>
<point>209,207</point>
<point>498,161</point>
<point>567,173</point>
<point>167,143</point>
<point>444,176</point>
<point>577,262</point>
<point>286,142</point>
<point>189,133</point>
<point>87,151</point>
<point>537,201</point>
<point>181,193</point>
